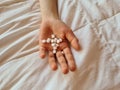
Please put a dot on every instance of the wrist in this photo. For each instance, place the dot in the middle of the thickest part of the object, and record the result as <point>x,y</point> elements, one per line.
<point>50,17</point>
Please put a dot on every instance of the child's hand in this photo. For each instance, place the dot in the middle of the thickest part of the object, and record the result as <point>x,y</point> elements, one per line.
<point>61,30</point>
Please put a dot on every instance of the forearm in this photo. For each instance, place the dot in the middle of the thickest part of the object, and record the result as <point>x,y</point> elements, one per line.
<point>49,9</point>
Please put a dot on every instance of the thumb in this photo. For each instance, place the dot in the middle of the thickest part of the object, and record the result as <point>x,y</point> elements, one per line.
<point>73,40</point>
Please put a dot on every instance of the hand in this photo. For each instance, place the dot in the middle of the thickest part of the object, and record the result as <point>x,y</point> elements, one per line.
<point>61,30</point>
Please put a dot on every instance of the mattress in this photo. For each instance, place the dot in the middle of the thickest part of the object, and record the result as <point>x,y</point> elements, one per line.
<point>96,23</point>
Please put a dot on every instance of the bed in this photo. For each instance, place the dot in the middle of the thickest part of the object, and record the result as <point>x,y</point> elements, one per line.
<point>96,23</point>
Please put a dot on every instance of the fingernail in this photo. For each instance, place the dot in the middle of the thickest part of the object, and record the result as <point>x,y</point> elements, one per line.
<point>65,71</point>
<point>42,56</point>
<point>72,68</point>
<point>54,67</point>
<point>77,46</point>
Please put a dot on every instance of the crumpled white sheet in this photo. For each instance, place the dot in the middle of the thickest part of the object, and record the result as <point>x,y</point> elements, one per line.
<point>96,23</point>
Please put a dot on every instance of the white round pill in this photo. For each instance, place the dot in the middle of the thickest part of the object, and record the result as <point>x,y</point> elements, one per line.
<point>53,44</point>
<point>60,39</point>
<point>53,36</point>
<point>48,40</point>
<point>52,40</point>
<point>43,41</point>
<point>54,51</point>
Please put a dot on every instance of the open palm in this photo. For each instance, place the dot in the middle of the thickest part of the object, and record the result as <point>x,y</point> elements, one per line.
<point>61,30</point>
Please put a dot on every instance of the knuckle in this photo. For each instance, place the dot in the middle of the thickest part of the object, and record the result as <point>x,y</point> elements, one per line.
<point>75,39</point>
<point>51,61</point>
<point>42,47</point>
<point>70,59</point>
<point>63,45</point>
<point>62,61</point>
<point>67,52</point>
<point>51,55</point>
<point>68,33</point>
<point>62,35</point>
<point>59,55</point>
<point>64,66</point>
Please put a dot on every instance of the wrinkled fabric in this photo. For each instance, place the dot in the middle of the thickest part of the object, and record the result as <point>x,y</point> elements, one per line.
<point>96,23</point>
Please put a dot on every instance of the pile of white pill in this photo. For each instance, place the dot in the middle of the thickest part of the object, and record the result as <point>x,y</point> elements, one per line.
<point>54,41</point>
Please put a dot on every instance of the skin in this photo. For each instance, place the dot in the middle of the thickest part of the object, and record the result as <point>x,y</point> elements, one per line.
<point>50,24</point>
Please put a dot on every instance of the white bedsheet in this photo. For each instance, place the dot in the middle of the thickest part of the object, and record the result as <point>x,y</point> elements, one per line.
<point>96,23</point>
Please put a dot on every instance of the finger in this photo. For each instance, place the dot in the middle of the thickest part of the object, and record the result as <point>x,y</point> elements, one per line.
<point>52,61</point>
<point>62,62</point>
<point>73,40</point>
<point>42,52</point>
<point>63,45</point>
<point>70,59</point>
